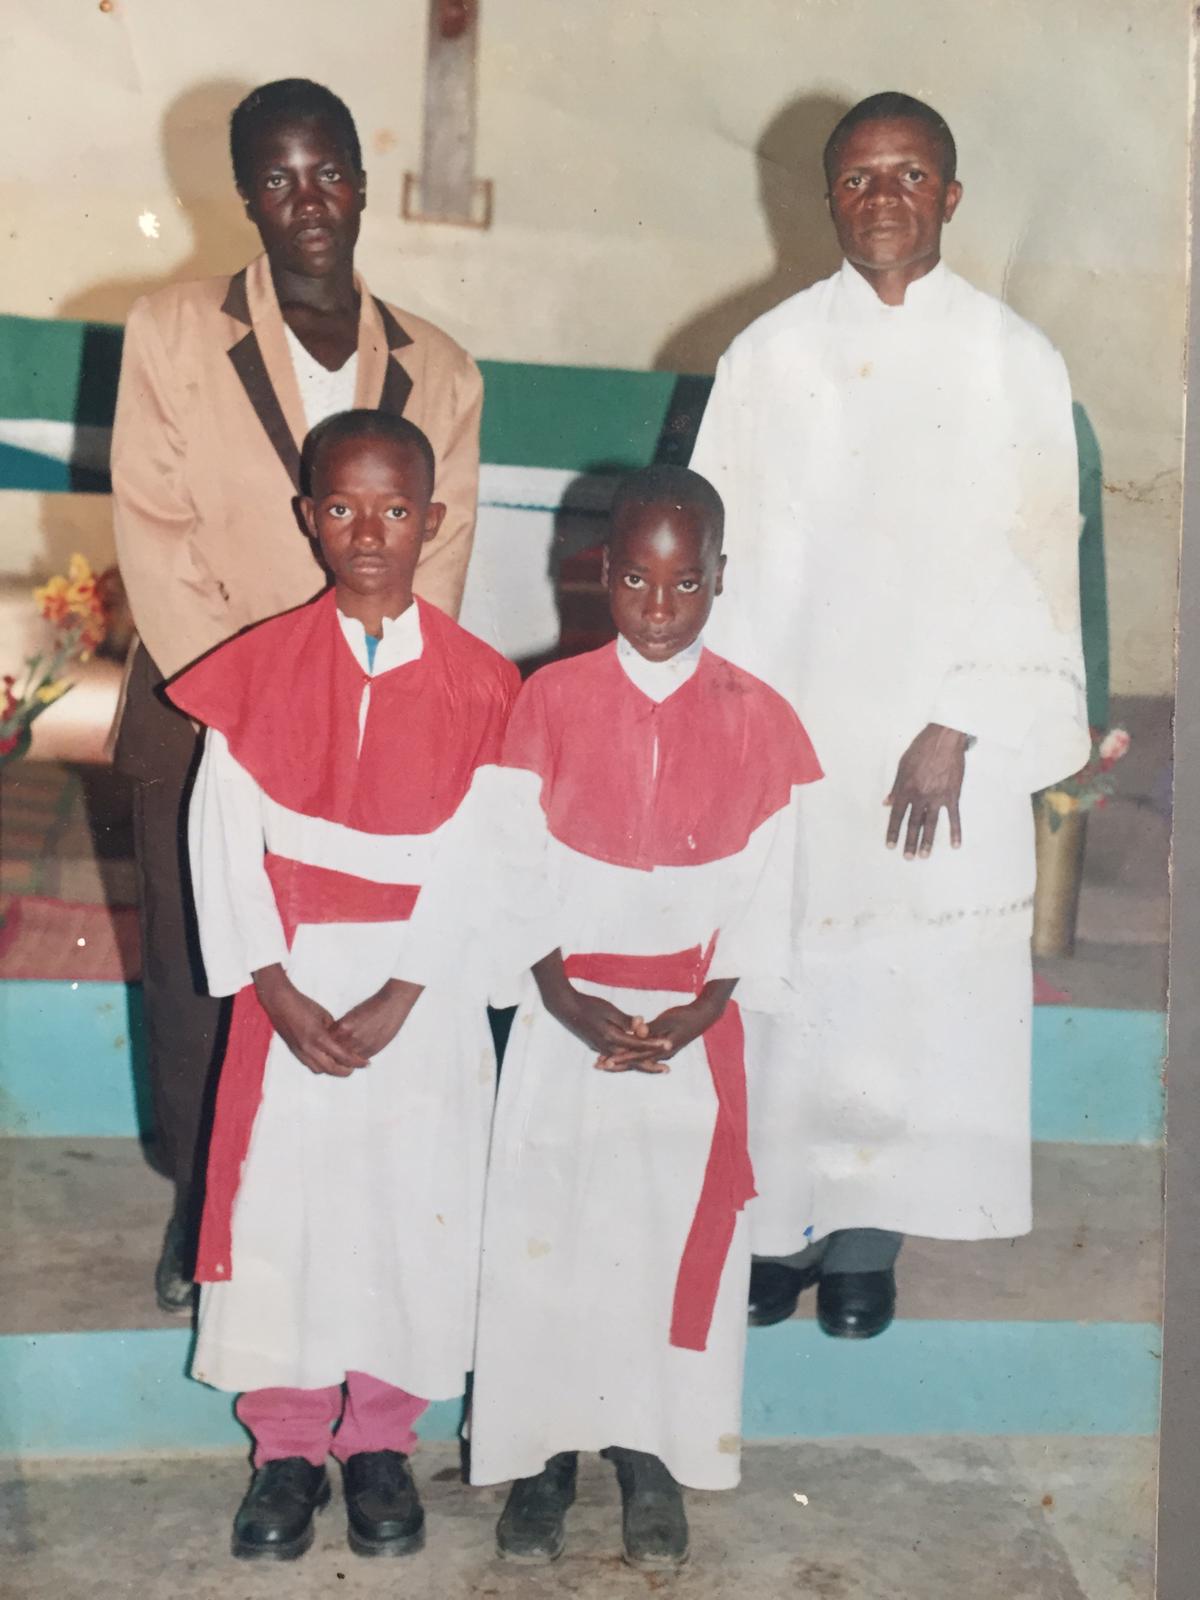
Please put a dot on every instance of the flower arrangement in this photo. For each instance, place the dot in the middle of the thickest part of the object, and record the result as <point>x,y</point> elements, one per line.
<point>77,609</point>
<point>1091,786</point>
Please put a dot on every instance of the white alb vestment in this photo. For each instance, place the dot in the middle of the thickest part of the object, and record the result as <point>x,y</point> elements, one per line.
<point>902,525</point>
<point>355,1225</point>
<point>609,772</point>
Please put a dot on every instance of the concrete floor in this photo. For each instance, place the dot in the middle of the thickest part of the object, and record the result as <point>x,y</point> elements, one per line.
<point>84,1220</point>
<point>887,1519</point>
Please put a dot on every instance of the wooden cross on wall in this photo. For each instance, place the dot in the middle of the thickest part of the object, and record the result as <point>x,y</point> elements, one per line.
<point>446,189</point>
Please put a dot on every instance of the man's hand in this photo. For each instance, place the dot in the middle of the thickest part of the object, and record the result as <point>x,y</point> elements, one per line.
<point>602,1026</point>
<point>928,780</point>
<point>304,1026</point>
<point>370,1026</point>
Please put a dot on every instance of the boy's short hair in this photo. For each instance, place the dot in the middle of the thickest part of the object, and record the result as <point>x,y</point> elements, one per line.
<point>362,424</point>
<point>287,100</point>
<point>893,105</point>
<point>666,482</point>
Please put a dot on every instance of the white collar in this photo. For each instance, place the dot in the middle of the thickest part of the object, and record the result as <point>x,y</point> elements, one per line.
<point>923,296</point>
<point>401,641</point>
<point>658,680</point>
<point>303,358</point>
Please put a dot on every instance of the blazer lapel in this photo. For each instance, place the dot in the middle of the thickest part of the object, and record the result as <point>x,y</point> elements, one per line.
<point>383,384</point>
<point>263,363</point>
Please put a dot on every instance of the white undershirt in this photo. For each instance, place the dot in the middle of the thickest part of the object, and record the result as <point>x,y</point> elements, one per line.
<point>321,392</point>
<point>400,643</point>
<point>658,680</point>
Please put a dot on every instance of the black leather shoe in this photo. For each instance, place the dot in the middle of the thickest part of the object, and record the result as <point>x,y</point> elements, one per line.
<point>532,1524</point>
<point>383,1509</point>
<point>775,1289</point>
<point>173,1288</point>
<point>856,1305</point>
<point>275,1520</point>
<point>653,1522</point>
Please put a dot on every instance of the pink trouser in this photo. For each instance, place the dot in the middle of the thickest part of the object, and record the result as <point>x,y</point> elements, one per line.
<point>297,1422</point>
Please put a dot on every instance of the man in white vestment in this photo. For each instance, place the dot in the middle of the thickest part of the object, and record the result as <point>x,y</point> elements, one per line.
<point>897,458</point>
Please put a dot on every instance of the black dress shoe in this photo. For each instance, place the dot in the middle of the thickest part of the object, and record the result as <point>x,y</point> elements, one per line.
<point>275,1520</point>
<point>653,1522</point>
<point>173,1288</point>
<point>532,1524</point>
<point>856,1305</point>
<point>383,1509</point>
<point>775,1289</point>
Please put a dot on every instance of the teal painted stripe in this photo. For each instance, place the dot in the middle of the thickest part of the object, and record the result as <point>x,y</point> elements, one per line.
<point>98,1393</point>
<point>73,1061</point>
<point>573,418</point>
<point>25,469</point>
<point>40,364</point>
<point>1098,1075</point>
<point>72,1057</point>
<point>954,1377</point>
<point>580,419</point>
<point>106,1393</point>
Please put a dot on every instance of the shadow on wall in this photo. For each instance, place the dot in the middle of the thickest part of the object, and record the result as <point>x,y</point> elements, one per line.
<point>195,149</point>
<point>791,187</point>
<point>573,565</point>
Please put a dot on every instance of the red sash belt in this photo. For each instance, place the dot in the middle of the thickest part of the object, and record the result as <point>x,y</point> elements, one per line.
<point>303,894</point>
<point>728,1177</point>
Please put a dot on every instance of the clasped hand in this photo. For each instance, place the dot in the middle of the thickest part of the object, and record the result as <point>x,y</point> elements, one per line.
<point>929,780</point>
<point>334,1047</point>
<point>625,1043</point>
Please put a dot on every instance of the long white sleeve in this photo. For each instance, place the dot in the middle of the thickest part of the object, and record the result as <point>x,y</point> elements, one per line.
<point>1018,683</point>
<point>758,945</point>
<point>240,929</point>
<point>487,908</point>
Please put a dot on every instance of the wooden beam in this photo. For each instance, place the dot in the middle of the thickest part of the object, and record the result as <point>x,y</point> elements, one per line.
<point>447,189</point>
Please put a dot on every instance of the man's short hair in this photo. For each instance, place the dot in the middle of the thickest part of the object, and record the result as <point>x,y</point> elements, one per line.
<point>666,483</point>
<point>287,100</point>
<point>362,424</point>
<point>890,106</point>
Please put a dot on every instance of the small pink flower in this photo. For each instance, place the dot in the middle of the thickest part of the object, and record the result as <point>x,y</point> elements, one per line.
<point>1114,745</point>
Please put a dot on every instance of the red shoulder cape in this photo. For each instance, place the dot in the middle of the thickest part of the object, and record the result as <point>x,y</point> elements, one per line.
<point>729,751</point>
<point>286,695</point>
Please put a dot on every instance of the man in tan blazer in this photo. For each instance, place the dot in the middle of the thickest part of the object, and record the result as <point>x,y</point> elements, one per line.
<point>220,382</point>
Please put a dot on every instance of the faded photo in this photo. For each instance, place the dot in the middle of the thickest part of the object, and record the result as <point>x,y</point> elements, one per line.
<point>587,611</point>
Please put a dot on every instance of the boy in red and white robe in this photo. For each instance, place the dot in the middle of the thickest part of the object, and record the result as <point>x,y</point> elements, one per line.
<point>340,1237</point>
<point>641,822</point>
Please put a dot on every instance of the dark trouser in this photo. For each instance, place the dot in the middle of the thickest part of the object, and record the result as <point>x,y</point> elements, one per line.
<point>185,1026</point>
<point>847,1250</point>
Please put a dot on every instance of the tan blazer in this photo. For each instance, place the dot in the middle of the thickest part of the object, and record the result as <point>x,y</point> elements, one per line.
<point>206,456</point>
